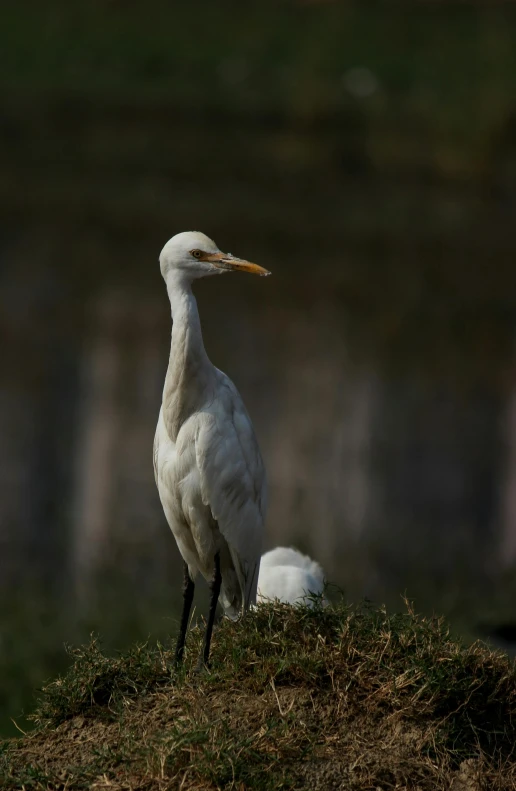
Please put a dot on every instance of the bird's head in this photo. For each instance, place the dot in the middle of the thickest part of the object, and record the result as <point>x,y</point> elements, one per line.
<point>192,255</point>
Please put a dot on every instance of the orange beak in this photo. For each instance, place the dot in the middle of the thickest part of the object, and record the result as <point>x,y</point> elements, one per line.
<point>233,264</point>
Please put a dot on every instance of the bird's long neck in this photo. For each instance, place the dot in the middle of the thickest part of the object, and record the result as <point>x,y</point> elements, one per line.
<point>190,374</point>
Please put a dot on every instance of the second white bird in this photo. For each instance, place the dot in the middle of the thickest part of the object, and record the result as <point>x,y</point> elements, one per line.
<point>289,576</point>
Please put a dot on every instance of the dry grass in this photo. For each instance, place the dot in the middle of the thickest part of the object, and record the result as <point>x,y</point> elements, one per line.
<point>349,698</point>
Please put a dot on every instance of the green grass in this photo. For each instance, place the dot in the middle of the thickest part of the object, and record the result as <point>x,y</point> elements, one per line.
<point>294,698</point>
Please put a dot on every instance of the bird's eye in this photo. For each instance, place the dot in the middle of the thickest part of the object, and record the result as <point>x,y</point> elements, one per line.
<point>196,253</point>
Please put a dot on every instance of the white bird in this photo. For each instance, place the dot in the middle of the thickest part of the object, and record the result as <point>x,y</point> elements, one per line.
<point>287,575</point>
<point>207,464</point>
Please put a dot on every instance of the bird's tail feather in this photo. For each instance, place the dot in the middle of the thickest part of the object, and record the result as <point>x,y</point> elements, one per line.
<point>238,590</point>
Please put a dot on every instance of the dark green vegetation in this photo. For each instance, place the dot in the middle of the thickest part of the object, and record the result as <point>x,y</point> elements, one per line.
<point>258,95</point>
<point>296,698</point>
<point>444,75</point>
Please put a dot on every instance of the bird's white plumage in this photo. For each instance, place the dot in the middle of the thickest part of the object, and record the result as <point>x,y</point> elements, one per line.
<point>288,556</point>
<point>288,584</point>
<point>207,464</point>
<point>289,576</point>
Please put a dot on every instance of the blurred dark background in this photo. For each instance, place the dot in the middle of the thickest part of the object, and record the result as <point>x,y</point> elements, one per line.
<point>364,152</point>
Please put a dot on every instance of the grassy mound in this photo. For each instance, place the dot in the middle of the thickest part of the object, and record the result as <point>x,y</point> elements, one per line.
<point>349,698</point>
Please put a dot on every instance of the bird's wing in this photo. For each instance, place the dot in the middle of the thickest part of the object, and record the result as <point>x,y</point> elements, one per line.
<point>233,482</point>
<point>155,449</point>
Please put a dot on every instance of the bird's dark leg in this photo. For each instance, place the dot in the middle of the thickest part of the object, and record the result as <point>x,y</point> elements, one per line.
<point>215,590</point>
<point>188,593</point>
